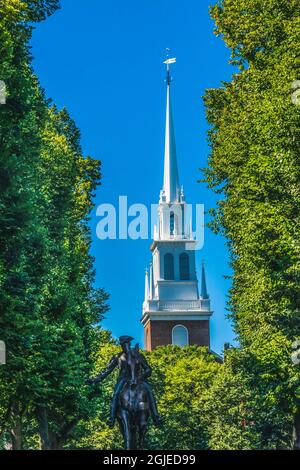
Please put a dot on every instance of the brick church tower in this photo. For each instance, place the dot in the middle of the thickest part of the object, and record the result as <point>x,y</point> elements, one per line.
<point>174,312</point>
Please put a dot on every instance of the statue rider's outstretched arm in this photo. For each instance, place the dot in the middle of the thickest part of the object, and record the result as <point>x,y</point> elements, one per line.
<point>111,366</point>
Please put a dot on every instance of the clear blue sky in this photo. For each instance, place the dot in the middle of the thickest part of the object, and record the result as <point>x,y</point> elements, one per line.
<point>103,61</point>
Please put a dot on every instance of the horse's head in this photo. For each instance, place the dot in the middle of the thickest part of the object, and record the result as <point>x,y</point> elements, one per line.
<point>134,366</point>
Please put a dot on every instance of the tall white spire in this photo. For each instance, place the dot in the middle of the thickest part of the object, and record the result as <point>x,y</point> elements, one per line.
<point>171,186</point>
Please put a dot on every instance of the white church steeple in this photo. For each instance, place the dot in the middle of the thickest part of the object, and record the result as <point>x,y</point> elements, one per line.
<point>174,312</point>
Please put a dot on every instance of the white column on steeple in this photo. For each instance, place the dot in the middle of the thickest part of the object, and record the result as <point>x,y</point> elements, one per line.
<point>151,282</point>
<point>191,229</point>
<point>171,185</point>
<point>146,285</point>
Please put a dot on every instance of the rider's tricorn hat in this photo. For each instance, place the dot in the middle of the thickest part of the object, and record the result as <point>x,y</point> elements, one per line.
<point>125,339</point>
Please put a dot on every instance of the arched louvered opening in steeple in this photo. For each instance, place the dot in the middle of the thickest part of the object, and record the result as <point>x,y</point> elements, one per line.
<point>172,223</point>
<point>176,222</point>
<point>169,267</point>
<point>184,267</point>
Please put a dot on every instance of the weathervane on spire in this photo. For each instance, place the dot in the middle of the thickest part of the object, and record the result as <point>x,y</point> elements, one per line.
<point>168,61</point>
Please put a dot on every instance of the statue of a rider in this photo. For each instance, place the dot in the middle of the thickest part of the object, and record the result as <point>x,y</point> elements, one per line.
<point>120,360</point>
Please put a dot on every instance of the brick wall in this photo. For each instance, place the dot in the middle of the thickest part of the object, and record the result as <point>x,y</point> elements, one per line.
<point>159,332</point>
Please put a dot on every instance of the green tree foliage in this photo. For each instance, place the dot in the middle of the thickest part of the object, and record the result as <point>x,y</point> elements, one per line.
<point>254,164</point>
<point>248,404</point>
<point>47,299</point>
<point>182,379</point>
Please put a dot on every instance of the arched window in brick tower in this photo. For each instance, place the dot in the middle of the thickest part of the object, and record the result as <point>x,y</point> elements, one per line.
<point>184,267</point>
<point>180,336</point>
<point>169,267</point>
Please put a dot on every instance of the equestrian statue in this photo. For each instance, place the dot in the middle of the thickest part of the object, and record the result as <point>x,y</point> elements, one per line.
<point>133,401</point>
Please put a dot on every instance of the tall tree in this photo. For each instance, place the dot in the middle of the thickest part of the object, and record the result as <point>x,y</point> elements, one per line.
<point>48,302</point>
<point>254,163</point>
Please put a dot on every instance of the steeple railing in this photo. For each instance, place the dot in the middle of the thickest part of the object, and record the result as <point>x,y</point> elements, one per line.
<point>202,305</point>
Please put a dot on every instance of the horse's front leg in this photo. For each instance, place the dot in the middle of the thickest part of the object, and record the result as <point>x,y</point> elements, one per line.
<point>143,419</point>
<point>125,428</point>
<point>142,435</point>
